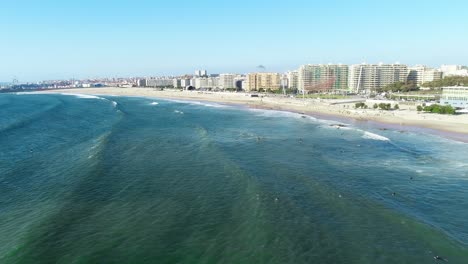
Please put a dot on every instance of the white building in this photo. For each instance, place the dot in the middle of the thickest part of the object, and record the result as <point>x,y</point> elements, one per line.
<point>454,70</point>
<point>206,83</point>
<point>184,83</point>
<point>456,96</point>
<point>201,73</point>
<point>176,83</point>
<point>369,77</point>
<point>227,81</point>
<point>292,79</point>
<point>421,74</point>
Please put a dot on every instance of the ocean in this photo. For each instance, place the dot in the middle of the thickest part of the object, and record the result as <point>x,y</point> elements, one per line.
<point>107,179</point>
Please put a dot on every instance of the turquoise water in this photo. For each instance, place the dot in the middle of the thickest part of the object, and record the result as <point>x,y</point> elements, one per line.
<point>88,179</point>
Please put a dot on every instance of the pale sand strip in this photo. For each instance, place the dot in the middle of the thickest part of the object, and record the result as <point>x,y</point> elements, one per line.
<point>406,116</point>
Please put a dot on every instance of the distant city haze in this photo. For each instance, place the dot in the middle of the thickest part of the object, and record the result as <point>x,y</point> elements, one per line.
<point>86,39</point>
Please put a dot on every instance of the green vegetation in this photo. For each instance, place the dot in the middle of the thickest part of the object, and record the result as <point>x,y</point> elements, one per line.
<point>400,87</point>
<point>376,106</point>
<point>439,109</point>
<point>447,81</point>
<point>361,105</point>
<point>419,108</point>
<point>396,107</point>
<point>383,106</point>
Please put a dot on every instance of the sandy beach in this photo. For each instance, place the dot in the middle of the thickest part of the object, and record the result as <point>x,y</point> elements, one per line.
<point>404,117</point>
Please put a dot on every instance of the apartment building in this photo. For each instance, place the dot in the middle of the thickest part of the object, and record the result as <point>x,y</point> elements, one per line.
<point>262,81</point>
<point>316,78</point>
<point>421,74</point>
<point>369,77</point>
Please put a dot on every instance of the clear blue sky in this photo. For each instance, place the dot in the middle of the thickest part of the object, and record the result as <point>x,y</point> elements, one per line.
<point>97,38</point>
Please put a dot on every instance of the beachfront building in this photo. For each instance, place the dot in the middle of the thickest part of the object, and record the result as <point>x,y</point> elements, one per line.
<point>263,81</point>
<point>454,70</point>
<point>206,83</point>
<point>141,83</point>
<point>420,74</point>
<point>456,96</point>
<point>159,82</point>
<point>369,77</point>
<point>184,83</point>
<point>239,81</point>
<point>321,78</point>
<point>176,83</point>
<point>292,79</point>
<point>227,81</point>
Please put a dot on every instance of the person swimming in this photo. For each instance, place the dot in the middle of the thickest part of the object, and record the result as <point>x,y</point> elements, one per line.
<point>437,258</point>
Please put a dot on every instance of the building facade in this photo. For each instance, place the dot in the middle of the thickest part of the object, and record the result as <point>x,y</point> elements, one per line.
<point>201,73</point>
<point>456,96</point>
<point>421,74</point>
<point>262,81</point>
<point>316,78</point>
<point>227,81</point>
<point>176,83</point>
<point>206,83</point>
<point>370,77</point>
<point>293,78</point>
<point>159,82</point>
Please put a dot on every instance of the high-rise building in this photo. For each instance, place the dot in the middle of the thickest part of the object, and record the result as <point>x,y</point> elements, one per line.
<point>206,82</point>
<point>141,82</point>
<point>292,79</point>
<point>421,74</point>
<point>184,83</point>
<point>323,77</point>
<point>176,83</point>
<point>226,81</point>
<point>201,73</point>
<point>263,81</point>
<point>369,77</point>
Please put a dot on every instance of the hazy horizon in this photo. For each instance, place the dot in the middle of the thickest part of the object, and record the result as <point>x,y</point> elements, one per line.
<point>83,39</point>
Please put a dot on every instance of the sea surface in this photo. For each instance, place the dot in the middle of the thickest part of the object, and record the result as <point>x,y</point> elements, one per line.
<point>107,179</point>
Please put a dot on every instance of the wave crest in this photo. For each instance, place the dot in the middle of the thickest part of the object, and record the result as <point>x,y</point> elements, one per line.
<point>369,135</point>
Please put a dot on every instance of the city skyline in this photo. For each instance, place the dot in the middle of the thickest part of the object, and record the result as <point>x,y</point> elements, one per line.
<point>55,40</point>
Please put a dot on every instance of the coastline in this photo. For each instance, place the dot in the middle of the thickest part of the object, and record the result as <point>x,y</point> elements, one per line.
<point>406,119</point>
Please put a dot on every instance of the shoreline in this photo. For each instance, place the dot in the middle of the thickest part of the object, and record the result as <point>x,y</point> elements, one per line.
<point>406,119</point>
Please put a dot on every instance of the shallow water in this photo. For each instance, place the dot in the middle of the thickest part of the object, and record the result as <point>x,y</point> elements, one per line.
<point>137,180</point>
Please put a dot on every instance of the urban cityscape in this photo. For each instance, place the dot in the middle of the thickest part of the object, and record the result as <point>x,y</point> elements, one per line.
<point>312,78</point>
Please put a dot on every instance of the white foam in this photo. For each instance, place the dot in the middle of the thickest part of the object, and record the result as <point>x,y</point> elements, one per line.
<point>23,93</point>
<point>114,103</point>
<point>84,96</point>
<point>154,103</point>
<point>277,113</point>
<point>178,112</point>
<point>369,135</point>
<point>197,103</point>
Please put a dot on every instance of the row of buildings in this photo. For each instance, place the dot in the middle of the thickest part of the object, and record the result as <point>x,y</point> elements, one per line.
<point>313,78</point>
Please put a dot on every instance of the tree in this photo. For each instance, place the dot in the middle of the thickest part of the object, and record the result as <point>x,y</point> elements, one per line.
<point>447,81</point>
<point>400,87</point>
<point>440,109</point>
<point>376,106</point>
<point>419,108</point>
<point>396,107</point>
<point>360,105</point>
